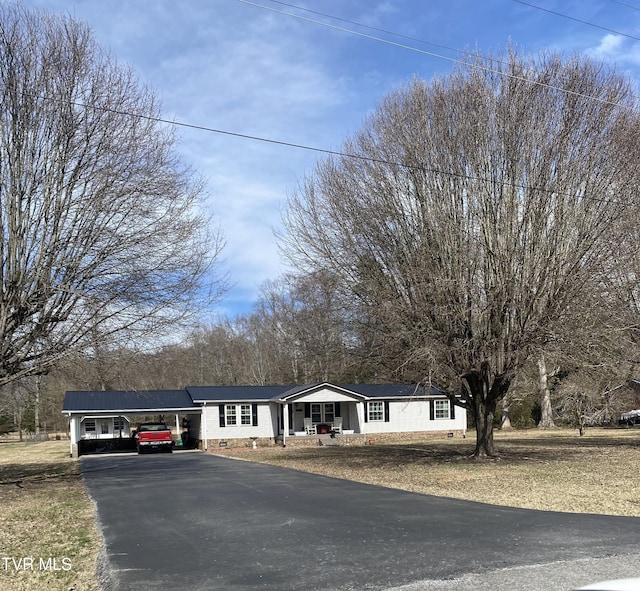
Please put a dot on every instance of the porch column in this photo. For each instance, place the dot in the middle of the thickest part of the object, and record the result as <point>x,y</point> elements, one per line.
<point>74,425</point>
<point>203,428</point>
<point>360,411</point>
<point>285,423</point>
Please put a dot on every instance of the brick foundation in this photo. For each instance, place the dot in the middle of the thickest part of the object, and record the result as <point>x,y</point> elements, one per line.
<point>339,439</point>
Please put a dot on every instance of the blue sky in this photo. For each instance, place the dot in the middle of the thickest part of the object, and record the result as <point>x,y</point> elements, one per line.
<point>252,68</point>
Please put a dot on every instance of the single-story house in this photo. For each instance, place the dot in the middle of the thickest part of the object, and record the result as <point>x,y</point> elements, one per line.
<point>218,416</point>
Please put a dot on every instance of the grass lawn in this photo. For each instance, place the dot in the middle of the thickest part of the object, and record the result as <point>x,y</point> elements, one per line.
<point>47,518</point>
<point>552,470</point>
<point>48,537</point>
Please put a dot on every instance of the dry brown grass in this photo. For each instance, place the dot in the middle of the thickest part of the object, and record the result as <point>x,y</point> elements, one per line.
<point>45,516</point>
<point>550,470</point>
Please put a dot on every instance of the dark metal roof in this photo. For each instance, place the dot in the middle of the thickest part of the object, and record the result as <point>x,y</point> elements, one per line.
<point>167,400</point>
<point>156,400</point>
<point>219,393</point>
<point>266,393</point>
<point>394,390</point>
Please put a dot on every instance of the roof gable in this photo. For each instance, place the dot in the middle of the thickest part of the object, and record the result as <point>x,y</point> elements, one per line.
<point>310,391</point>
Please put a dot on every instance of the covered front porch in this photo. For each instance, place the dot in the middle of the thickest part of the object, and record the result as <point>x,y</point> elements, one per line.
<point>327,412</point>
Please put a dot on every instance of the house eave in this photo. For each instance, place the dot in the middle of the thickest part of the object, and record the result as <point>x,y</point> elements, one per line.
<point>134,411</point>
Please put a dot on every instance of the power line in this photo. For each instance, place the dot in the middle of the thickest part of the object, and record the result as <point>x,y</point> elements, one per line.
<point>360,156</point>
<point>625,4</point>
<point>577,20</point>
<point>431,54</point>
<point>351,31</point>
<point>335,152</point>
<point>352,22</point>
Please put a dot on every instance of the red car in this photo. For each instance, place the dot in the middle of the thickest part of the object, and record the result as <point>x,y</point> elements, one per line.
<point>150,436</point>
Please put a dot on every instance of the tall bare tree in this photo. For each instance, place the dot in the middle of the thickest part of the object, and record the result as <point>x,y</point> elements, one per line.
<point>101,224</point>
<point>472,211</point>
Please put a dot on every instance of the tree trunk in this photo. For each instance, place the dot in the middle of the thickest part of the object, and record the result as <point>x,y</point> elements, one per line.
<point>36,408</point>
<point>505,420</point>
<point>485,390</point>
<point>546,413</point>
<point>484,430</point>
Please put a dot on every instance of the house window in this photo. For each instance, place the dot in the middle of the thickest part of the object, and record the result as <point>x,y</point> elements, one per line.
<point>238,414</point>
<point>118,425</point>
<point>442,409</point>
<point>231,415</point>
<point>323,413</point>
<point>245,414</point>
<point>316,413</point>
<point>89,426</point>
<point>376,411</point>
<point>329,412</point>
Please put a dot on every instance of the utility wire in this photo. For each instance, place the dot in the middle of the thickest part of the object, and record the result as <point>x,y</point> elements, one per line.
<point>423,168</point>
<point>625,4</point>
<point>402,165</point>
<point>577,20</point>
<point>351,31</point>
<point>436,55</point>
<point>379,30</point>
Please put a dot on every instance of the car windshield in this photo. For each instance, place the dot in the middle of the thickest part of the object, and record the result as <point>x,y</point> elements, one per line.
<point>158,427</point>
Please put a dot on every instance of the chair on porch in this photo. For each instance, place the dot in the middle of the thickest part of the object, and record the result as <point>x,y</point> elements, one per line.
<point>309,427</point>
<point>337,425</point>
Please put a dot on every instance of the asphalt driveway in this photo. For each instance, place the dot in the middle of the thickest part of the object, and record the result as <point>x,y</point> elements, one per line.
<point>192,521</point>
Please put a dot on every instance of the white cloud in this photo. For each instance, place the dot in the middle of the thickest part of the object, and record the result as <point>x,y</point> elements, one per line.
<point>610,45</point>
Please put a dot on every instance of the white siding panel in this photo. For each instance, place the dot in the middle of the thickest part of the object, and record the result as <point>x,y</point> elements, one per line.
<point>413,415</point>
<point>214,431</point>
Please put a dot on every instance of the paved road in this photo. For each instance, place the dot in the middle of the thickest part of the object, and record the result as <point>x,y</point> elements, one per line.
<point>191,521</point>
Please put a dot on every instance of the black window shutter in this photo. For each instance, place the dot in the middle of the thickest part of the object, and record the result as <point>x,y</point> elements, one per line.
<point>221,410</point>
<point>307,410</point>
<point>366,412</point>
<point>337,409</point>
<point>453,409</point>
<point>432,409</point>
<point>254,415</point>
<point>290,415</point>
<point>386,411</point>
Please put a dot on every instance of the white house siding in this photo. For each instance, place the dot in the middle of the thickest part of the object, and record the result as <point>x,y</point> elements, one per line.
<point>414,416</point>
<point>213,431</point>
<point>326,395</point>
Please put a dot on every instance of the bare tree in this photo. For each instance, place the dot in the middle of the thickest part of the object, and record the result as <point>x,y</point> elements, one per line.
<point>101,223</point>
<point>472,212</point>
<point>546,410</point>
<point>302,318</point>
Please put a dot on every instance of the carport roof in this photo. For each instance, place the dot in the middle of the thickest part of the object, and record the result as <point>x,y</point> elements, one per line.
<point>127,400</point>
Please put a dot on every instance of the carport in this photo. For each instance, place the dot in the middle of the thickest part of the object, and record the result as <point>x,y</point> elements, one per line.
<point>105,420</point>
